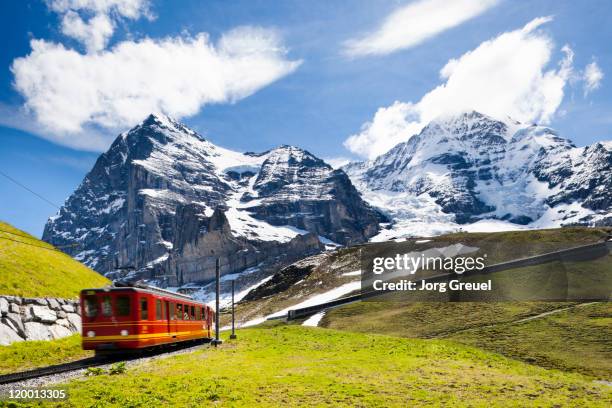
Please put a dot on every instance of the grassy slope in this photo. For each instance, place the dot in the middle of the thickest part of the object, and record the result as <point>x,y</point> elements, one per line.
<point>295,366</point>
<point>31,271</point>
<point>578,339</point>
<point>500,246</point>
<point>27,355</point>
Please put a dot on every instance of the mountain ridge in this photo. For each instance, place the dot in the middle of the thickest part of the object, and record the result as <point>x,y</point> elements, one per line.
<point>471,168</point>
<point>160,177</point>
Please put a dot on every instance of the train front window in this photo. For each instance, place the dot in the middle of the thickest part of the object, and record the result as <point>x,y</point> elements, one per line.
<point>91,306</point>
<point>107,308</point>
<point>123,305</point>
<point>144,309</point>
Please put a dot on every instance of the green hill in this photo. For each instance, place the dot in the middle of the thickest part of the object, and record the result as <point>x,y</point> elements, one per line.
<point>32,268</point>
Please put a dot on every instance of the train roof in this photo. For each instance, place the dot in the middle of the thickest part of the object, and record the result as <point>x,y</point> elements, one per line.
<point>145,288</point>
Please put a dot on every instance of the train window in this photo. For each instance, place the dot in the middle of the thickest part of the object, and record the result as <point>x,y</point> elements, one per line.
<point>179,312</point>
<point>198,316</point>
<point>144,309</point>
<point>91,306</point>
<point>123,305</point>
<point>107,308</point>
<point>192,313</point>
<point>171,311</point>
<point>186,312</point>
<point>203,314</point>
<point>158,310</point>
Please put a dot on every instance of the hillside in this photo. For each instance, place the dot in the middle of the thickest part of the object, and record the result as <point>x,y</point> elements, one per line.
<point>336,273</point>
<point>565,336</point>
<point>32,268</point>
<point>576,339</point>
<point>296,366</point>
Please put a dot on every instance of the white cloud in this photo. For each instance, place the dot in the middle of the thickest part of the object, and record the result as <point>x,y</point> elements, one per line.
<point>70,93</point>
<point>98,29</point>
<point>337,162</point>
<point>592,77</point>
<point>414,23</point>
<point>390,126</point>
<point>504,76</point>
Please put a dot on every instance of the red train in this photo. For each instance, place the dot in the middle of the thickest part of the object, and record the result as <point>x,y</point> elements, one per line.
<point>141,317</point>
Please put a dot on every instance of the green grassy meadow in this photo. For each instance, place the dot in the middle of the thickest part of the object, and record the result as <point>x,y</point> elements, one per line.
<point>290,365</point>
<point>26,355</point>
<point>578,339</point>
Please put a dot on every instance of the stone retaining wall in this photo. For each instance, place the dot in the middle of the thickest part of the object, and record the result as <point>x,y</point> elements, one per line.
<point>37,318</point>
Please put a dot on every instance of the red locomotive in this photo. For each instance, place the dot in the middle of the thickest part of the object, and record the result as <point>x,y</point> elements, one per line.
<point>141,317</point>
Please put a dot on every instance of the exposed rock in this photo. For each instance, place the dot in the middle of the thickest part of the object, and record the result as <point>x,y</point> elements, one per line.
<point>14,321</point>
<point>37,331</point>
<point>68,308</point>
<point>63,322</point>
<point>8,335</point>
<point>42,314</point>
<point>59,331</point>
<point>45,317</point>
<point>132,214</point>
<point>285,278</point>
<point>4,306</point>
<point>472,167</point>
<point>75,321</point>
<point>53,303</point>
<point>35,301</point>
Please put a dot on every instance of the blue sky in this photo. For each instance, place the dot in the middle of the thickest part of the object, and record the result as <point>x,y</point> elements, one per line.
<point>320,95</point>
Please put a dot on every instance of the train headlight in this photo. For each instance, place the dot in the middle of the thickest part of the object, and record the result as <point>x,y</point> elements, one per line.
<point>91,333</point>
<point>124,332</point>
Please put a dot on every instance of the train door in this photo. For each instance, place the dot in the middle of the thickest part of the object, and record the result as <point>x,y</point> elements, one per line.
<point>172,323</point>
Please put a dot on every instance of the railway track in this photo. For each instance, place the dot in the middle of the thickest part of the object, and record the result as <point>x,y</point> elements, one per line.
<point>55,369</point>
<point>86,363</point>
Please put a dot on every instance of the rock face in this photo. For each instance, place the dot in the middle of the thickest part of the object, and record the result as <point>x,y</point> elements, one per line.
<point>162,203</point>
<point>470,167</point>
<point>37,318</point>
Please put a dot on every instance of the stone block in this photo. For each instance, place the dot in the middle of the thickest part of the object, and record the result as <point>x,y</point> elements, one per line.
<point>37,331</point>
<point>42,314</point>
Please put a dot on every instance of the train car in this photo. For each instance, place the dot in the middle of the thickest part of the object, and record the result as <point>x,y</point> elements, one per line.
<point>141,317</point>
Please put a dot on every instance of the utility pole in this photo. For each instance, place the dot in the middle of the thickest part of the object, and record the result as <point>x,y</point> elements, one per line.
<point>218,293</point>
<point>233,335</point>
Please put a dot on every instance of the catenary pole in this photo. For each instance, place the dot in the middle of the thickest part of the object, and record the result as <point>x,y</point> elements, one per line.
<point>233,335</point>
<point>217,293</point>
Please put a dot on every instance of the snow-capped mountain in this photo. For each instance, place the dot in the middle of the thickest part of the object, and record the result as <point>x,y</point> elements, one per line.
<point>473,172</point>
<point>166,202</point>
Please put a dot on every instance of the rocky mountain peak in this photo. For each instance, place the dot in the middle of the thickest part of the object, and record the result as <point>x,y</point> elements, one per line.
<point>472,167</point>
<point>137,207</point>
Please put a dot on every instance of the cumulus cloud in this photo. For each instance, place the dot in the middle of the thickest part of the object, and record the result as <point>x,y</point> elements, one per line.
<point>391,125</point>
<point>95,32</point>
<point>70,93</point>
<point>592,77</point>
<point>414,23</point>
<point>508,75</point>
